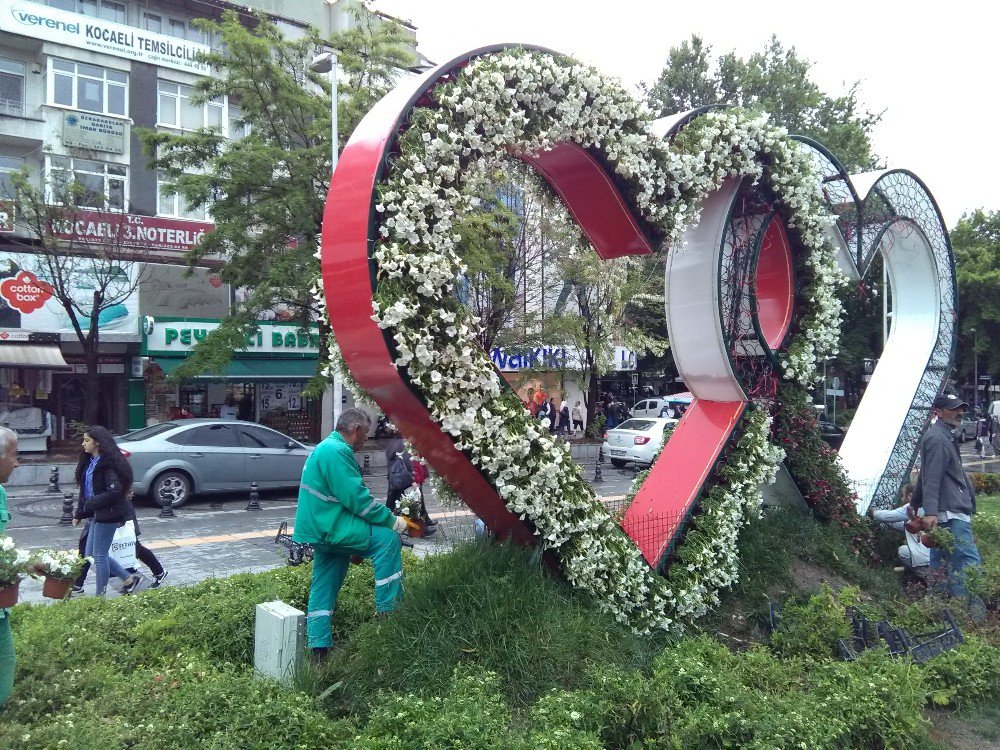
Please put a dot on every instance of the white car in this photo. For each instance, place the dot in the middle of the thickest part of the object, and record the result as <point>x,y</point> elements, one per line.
<point>663,406</point>
<point>636,440</point>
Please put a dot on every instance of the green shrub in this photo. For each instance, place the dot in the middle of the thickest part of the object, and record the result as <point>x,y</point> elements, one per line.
<point>811,628</point>
<point>968,674</point>
<point>986,484</point>
<point>483,605</point>
<point>471,715</point>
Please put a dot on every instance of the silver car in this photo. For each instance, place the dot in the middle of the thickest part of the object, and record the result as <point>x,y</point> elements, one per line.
<point>174,460</point>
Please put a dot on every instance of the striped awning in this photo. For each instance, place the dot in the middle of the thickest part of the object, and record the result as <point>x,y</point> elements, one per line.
<point>41,356</point>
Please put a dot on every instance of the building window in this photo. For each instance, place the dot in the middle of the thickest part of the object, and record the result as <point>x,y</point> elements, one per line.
<point>103,185</point>
<point>11,88</point>
<point>175,109</point>
<point>88,87</point>
<point>174,205</point>
<point>106,9</point>
<point>8,166</point>
<point>153,22</point>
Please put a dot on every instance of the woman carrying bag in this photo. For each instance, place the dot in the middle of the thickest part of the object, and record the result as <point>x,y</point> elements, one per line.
<point>105,479</point>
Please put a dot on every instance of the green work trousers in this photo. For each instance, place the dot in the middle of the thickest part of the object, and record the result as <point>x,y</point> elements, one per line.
<point>329,570</point>
<point>6,657</point>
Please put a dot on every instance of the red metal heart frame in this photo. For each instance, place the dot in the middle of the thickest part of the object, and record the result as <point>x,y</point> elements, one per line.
<point>594,200</point>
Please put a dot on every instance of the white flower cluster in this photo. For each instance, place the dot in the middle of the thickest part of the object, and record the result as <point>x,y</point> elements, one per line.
<point>13,561</point>
<point>520,102</point>
<point>57,563</point>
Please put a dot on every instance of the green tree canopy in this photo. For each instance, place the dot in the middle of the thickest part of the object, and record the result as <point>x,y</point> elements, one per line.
<point>267,190</point>
<point>776,81</point>
<point>976,242</point>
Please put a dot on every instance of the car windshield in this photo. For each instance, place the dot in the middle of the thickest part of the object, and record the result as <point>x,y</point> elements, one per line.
<point>147,432</point>
<point>636,425</point>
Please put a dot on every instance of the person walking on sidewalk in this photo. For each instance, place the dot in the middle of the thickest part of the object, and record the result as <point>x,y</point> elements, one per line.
<point>105,479</point>
<point>142,553</point>
<point>338,515</point>
<point>8,462</point>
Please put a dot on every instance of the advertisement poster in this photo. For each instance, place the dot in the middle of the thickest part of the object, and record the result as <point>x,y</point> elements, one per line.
<point>27,301</point>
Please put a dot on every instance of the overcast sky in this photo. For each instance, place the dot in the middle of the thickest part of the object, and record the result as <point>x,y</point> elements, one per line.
<point>933,68</point>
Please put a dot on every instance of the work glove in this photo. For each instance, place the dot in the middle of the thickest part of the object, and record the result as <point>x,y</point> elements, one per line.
<point>399,525</point>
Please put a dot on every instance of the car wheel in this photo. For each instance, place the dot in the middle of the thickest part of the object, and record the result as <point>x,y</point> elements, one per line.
<point>618,463</point>
<point>171,487</point>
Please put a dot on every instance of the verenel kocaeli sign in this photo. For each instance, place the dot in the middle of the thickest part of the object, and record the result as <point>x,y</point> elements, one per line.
<point>76,30</point>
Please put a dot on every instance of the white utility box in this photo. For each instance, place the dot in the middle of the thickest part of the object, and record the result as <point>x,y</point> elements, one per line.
<point>279,641</point>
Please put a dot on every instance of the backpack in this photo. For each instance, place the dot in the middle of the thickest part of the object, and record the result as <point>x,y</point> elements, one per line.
<point>399,476</point>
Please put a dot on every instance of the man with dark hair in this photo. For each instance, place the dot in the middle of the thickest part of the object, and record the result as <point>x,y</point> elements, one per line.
<point>337,514</point>
<point>946,493</point>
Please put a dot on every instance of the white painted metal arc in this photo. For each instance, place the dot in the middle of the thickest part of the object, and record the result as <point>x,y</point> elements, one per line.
<point>694,321</point>
<point>845,258</point>
<point>913,280</point>
<point>662,126</point>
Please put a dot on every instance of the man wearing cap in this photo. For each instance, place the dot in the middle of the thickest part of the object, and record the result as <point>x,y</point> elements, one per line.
<point>945,492</point>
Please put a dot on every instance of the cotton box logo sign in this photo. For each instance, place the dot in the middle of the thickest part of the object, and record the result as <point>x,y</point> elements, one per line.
<point>25,292</point>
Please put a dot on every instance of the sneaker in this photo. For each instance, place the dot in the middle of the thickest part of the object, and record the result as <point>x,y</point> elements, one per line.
<point>157,579</point>
<point>131,584</point>
<point>78,590</point>
<point>430,523</point>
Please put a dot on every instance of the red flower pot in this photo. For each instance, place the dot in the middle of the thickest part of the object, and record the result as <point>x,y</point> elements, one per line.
<point>925,539</point>
<point>914,525</point>
<point>56,588</point>
<point>9,594</point>
<point>414,528</point>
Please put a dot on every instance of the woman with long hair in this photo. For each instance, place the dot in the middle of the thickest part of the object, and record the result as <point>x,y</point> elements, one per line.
<point>105,479</point>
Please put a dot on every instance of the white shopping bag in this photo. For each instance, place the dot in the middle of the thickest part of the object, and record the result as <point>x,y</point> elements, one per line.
<point>123,545</point>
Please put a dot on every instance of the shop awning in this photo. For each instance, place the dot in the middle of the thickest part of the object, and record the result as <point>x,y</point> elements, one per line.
<point>252,369</point>
<point>42,356</point>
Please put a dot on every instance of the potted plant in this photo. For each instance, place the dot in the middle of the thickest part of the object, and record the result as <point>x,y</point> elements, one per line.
<point>13,565</point>
<point>60,569</point>
<point>938,537</point>
<point>409,508</point>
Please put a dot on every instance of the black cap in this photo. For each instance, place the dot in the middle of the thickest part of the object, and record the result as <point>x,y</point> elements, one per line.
<point>949,401</point>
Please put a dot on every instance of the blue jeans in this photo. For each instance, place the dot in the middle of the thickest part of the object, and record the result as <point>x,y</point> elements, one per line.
<point>965,554</point>
<point>98,543</point>
<point>329,570</point>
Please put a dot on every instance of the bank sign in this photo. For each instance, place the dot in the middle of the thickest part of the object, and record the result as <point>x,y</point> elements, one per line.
<point>170,337</point>
<point>543,358</point>
<point>75,30</point>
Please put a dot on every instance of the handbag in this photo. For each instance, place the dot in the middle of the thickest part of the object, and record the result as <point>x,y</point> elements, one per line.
<point>399,476</point>
<point>123,546</point>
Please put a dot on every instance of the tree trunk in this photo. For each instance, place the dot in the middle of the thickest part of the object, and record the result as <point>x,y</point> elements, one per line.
<point>92,405</point>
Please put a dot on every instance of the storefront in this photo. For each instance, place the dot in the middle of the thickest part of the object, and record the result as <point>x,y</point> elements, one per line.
<point>263,383</point>
<point>42,367</point>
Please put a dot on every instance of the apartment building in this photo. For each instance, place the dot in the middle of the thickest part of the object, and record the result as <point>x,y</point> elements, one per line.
<point>77,77</point>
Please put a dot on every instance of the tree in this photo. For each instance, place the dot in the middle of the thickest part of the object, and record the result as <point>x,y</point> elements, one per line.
<point>607,297</point>
<point>267,190</point>
<point>976,242</point>
<point>78,244</point>
<point>775,81</point>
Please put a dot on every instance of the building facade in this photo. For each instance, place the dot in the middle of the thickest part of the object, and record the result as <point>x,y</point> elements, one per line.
<point>77,78</point>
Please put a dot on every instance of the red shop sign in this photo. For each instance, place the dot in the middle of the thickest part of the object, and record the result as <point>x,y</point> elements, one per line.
<point>147,232</point>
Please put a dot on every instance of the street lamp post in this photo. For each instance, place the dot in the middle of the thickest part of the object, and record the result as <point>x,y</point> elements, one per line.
<point>975,369</point>
<point>327,63</point>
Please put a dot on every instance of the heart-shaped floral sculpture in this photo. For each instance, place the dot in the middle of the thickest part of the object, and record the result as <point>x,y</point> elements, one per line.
<point>389,244</point>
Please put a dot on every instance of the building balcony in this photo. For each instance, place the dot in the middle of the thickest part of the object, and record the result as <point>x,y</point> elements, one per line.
<point>20,130</point>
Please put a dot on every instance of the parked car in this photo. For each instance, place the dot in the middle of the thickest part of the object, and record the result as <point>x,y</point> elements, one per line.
<point>176,460</point>
<point>670,407</point>
<point>833,435</point>
<point>968,427</point>
<point>636,440</point>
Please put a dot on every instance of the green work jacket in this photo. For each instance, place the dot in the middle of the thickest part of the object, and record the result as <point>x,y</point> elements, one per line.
<point>335,507</point>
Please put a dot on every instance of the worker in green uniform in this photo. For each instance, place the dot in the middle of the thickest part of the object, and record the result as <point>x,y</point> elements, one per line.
<point>337,514</point>
<point>8,462</point>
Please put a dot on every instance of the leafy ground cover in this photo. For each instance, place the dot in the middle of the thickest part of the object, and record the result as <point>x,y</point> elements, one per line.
<point>491,651</point>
